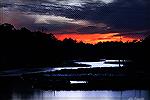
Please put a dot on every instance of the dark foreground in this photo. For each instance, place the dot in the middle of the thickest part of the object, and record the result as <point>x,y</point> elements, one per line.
<point>98,84</point>
<point>93,79</point>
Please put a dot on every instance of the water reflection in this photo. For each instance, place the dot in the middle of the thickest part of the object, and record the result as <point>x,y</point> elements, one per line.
<point>105,63</point>
<point>82,95</point>
<point>78,82</point>
<point>33,94</point>
<point>27,93</point>
<point>101,63</point>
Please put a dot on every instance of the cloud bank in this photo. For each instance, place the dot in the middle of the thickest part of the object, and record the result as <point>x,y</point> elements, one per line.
<point>79,16</point>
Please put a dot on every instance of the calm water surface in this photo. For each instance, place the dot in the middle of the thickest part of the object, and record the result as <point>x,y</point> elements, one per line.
<point>101,63</point>
<point>105,63</point>
<point>80,95</point>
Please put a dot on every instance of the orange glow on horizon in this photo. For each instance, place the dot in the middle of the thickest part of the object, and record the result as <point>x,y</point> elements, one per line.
<point>94,38</point>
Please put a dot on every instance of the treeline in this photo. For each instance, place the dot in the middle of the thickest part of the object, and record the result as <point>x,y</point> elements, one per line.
<point>22,48</point>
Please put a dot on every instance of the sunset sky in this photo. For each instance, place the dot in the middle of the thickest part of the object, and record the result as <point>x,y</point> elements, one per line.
<point>90,21</point>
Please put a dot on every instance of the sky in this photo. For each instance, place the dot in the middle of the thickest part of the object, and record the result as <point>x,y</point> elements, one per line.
<point>90,21</point>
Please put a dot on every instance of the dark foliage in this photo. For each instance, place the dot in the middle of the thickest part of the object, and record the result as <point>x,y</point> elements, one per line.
<point>23,48</point>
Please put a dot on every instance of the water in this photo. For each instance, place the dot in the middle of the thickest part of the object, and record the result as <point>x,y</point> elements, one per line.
<point>78,82</point>
<point>22,93</point>
<point>101,63</point>
<point>33,94</point>
<point>104,63</point>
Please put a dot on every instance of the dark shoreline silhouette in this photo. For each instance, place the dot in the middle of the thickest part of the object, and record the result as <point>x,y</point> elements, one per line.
<point>25,49</point>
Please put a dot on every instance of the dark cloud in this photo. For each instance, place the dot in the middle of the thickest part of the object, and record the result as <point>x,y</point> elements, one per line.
<point>92,29</point>
<point>24,20</point>
<point>131,15</point>
<point>119,15</point>
<point>56,28</point>
<point>17,19</point>
<point>135,34</point>
<point>68,32</point>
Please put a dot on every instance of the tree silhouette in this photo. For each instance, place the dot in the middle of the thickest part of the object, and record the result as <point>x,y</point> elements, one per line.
<point>7,27</point>
<point>25,48</point>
